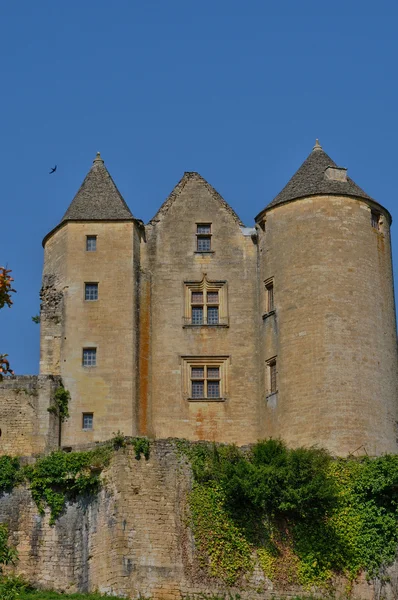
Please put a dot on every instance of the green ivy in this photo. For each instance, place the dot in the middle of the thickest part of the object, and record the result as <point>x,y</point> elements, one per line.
<point>62,476</point>
<point>61,403</point>
<point>8,554</point>
<point>296,511</point>
<point>222,546</point>
<point>9,473</point>
<point>141,445</point>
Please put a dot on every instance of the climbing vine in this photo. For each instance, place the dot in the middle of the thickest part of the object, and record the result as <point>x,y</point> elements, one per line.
<point>63,476</point>
<point>302,516</point>
<point>61,403</point>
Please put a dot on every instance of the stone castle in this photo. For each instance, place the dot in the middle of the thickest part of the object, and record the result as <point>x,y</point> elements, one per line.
<point>195,326</point>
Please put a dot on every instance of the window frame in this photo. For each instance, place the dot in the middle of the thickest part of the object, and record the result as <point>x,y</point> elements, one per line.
<point>91,283</point>
<point>189,363</point>
<point>90,238</point>
<point>88,414</point>
<point>92,349</point>
<point>201,236</point>
<point>269,298</point>
<point>208,305</point>
<point>272,376</point>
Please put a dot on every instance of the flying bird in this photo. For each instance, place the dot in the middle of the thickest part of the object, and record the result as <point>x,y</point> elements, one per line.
<point>53,169</point>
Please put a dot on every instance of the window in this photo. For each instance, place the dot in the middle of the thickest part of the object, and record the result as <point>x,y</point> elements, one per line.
<point>91,243</point>
<point>88,420</point>
<point>203,237</point>
<point>272,376</point>
<point>205,378</point>
<point>89,357</point>
<point>204,307</point>
<point>205,382</point>
<point>269,296</point>
<point>91,291</point>
<point>206,302</point>
<point>375,219</point>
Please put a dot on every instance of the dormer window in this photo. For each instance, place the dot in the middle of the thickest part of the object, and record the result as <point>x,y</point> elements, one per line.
<point>203,237</point>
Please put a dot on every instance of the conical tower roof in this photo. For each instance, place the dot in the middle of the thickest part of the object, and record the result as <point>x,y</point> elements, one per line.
<point>98,198</point>
<point>314,178</point>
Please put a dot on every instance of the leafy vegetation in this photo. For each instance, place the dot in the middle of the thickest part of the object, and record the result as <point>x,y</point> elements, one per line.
<point>63,476</point>
<point>60,407</point>
<point>6,290</point>
<point>9,473</point>
<point>300,514</point>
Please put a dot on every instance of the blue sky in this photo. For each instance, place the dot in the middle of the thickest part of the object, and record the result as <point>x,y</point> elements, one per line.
<point>235,90</point>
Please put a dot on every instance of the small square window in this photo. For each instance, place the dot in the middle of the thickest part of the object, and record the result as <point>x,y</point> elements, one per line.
<point>91,291</point>
<point>197,315</point>
<point>213,372</point>
<point>197,297</point>
<point>198,388</point>
<point>89,357</point>
<point>91,243</point>
<point>212,297</point>
<point>204,243</point>
<point>212,315</point>
<point>197,372</point>
<point>213,389</point>
<point>88,420</point>
<point>203,228</point>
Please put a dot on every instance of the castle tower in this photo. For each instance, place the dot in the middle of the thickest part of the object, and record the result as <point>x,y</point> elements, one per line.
<point>329,346</point>
<point>89,309</point>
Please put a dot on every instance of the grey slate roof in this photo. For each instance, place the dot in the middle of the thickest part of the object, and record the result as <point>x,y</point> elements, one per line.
<point>310,180</point>
<point>98,198</point>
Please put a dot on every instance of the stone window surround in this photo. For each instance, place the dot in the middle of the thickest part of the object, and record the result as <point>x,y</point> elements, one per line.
<point>204,235</point>
<point>91,243</point>
<point>204,286</point>
<point>271,363</point>
<point>269,298</point>
<point>89,353</point>
<point>90,290</point>
<point>222,362</point>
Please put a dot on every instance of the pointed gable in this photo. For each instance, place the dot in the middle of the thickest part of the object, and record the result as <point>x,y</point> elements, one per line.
<point>318,175</point>
<point>98,198</point>
<point>192,176</point>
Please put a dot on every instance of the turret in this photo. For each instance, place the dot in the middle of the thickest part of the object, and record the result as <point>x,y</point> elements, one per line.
<point>329,347</point>
<point>89,309</point>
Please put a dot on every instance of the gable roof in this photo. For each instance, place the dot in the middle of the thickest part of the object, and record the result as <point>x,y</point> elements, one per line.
<point>311,180</point>
<point>98,198</point>
<point>193,176</point>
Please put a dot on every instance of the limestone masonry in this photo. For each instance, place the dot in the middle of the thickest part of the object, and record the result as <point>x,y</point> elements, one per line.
<point>195,326</point>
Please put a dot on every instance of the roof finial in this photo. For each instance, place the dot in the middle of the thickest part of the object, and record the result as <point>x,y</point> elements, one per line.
<point>98,158</point>
<point>317,145</point>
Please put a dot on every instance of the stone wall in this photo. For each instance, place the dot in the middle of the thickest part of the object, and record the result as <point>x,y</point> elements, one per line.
<point>133,539</point>
<point>174,264</point>
<point>26,426</point>
<point>333,330</point>
<point>107,324</point>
